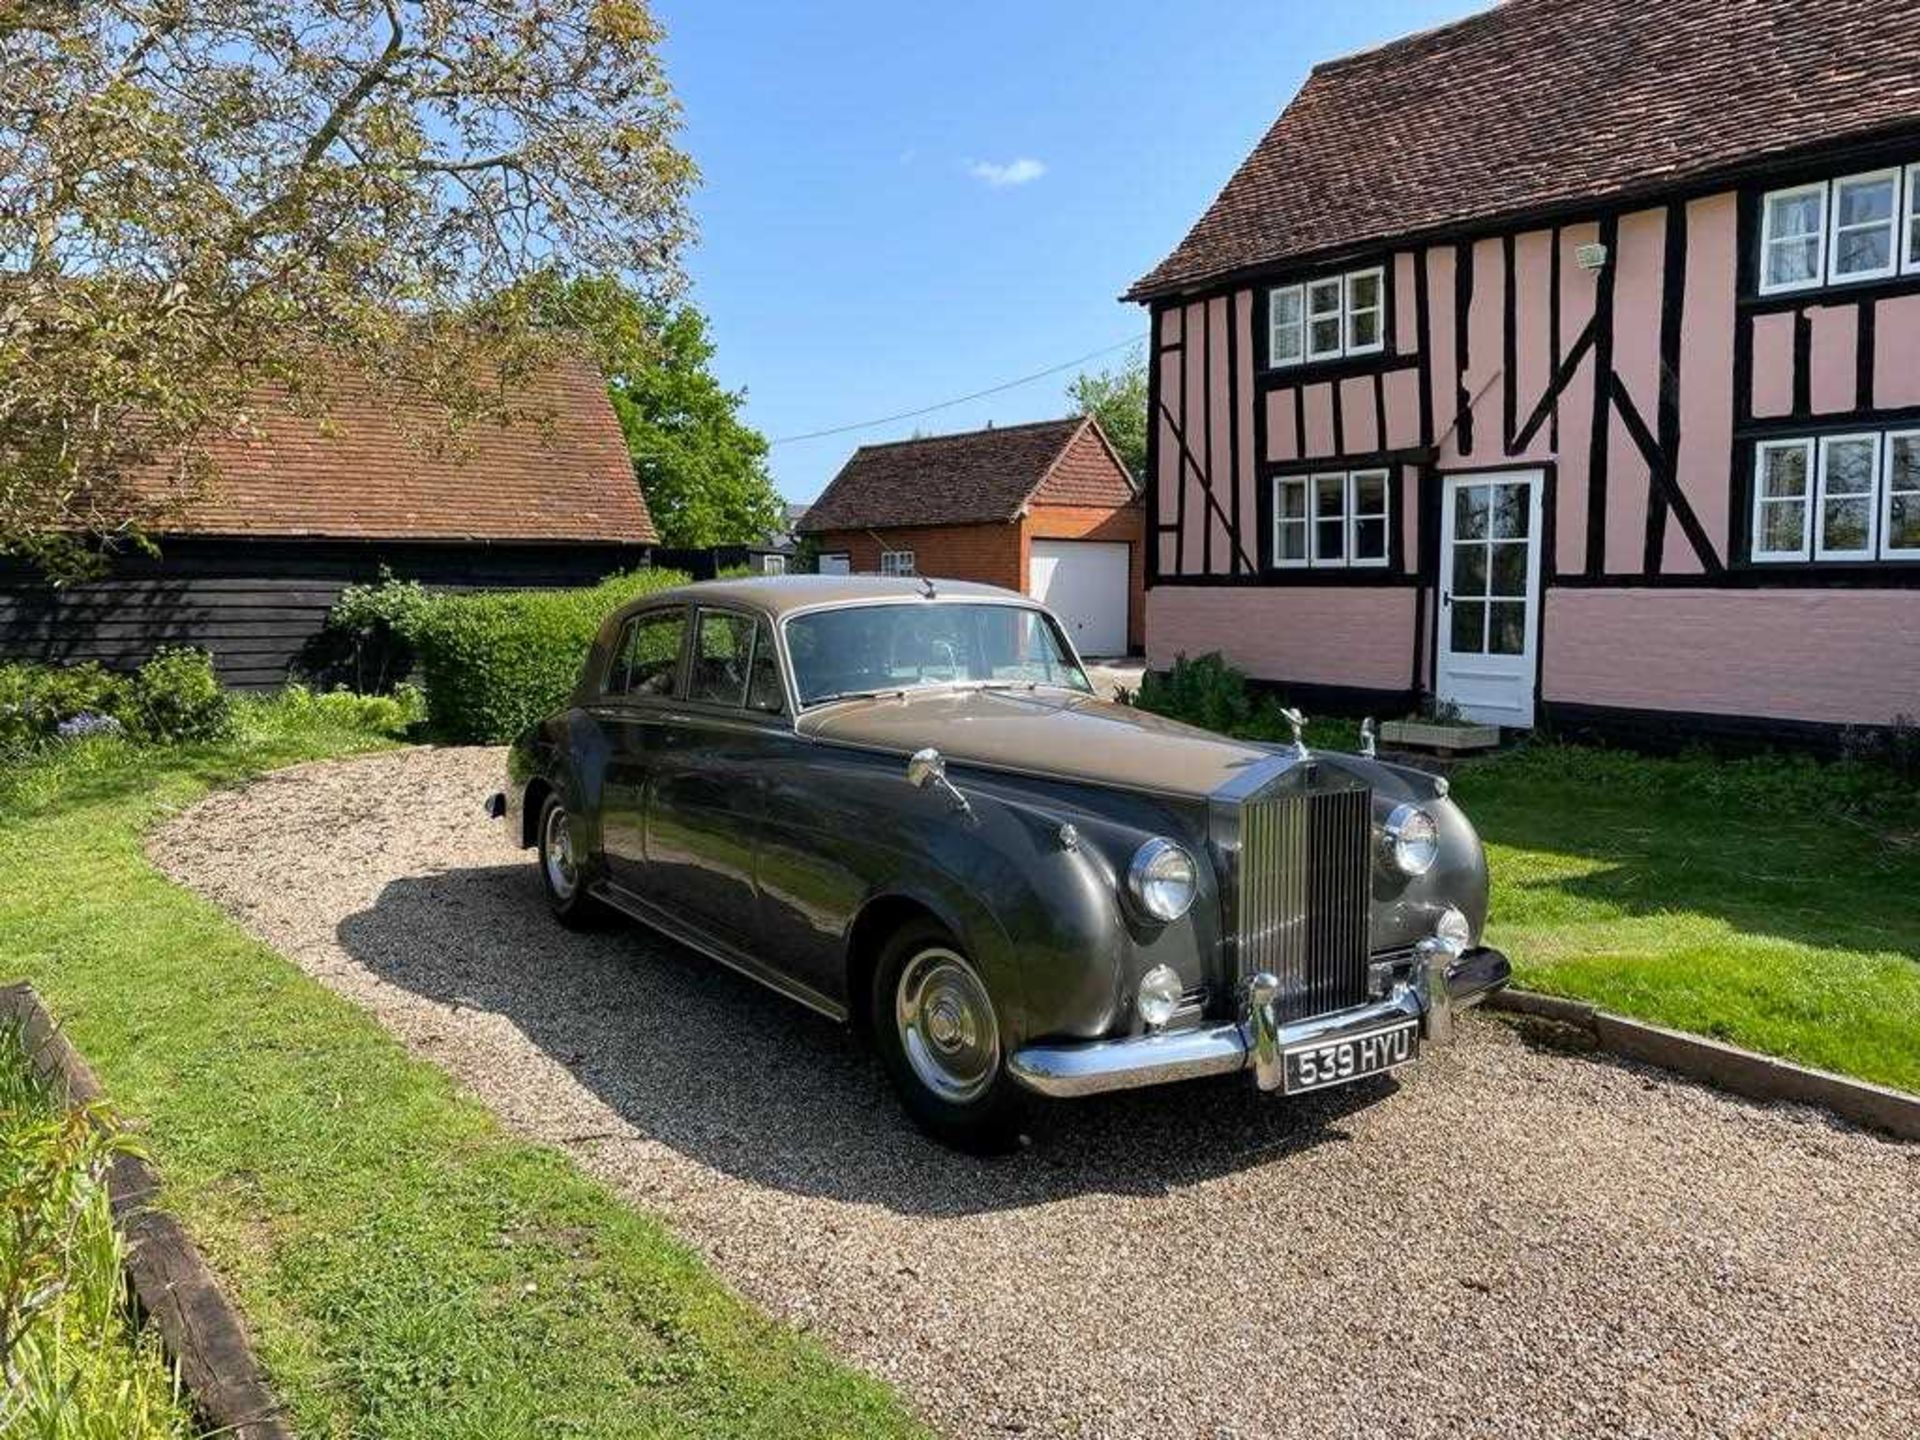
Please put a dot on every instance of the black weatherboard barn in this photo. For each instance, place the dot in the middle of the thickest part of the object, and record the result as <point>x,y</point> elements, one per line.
<point>249,569</point>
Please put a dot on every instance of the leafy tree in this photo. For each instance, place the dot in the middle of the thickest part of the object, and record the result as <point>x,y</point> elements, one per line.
<point>704,471</point>
<point>1118,400</point>
<point>199,199</point>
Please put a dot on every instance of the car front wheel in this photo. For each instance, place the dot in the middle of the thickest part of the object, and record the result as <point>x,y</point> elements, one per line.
<point>939,1036</point>
<point>563,871</point>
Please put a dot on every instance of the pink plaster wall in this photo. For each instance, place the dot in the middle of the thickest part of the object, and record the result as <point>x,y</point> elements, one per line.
<point>1243,421</point>
<point>1359,421</point>
<point>1639,274</point>
<point>1532,314</point>
<point>1773,364</point>
<point>1219,438</point>
<point>1442,369</point>
<point>1170,327</point>
<point>1311,635</point>
<point>1192,424</point>
<point>1896,352</point>
<point>1837,656</point>
<point>1319,418</point>
<point>1832,359</point>
<point>1283,436</point>
<point>1706,376</point>
<point>1406,314</point>
<point>1577,292</point>
<point>1171,465</point>
<point>1403,408</point>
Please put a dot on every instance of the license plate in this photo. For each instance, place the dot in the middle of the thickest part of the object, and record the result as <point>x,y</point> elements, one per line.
<point>1335,1062</point>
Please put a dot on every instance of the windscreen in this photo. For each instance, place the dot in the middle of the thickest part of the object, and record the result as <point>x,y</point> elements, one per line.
<point>867,649</point>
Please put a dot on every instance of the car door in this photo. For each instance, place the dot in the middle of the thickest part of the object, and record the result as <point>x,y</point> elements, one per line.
<point>706,797</point>
<point>636,708</point>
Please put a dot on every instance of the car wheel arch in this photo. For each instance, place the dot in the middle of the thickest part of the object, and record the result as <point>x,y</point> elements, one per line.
<point>884,913</point>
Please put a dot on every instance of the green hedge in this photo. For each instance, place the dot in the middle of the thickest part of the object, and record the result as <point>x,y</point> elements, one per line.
<point>496,661</point>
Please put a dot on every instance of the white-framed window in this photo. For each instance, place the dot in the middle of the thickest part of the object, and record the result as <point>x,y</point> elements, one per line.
<point>1286,326</point>
<point>773,564</point>
<point>1847,523</point>
<point>1290,522</point>
<point>1328,318</point>
<point>1367,517</point>
<point>1366,311</point>
<point>1866,215</point>
<point>897,562</point>
<point>1782,495</point>
<point>1910,250</point>
<point>1326,323</point>
<point>835,562</point>
<point>1900,509</point>
<point>1848,497</point>
<point>1331,519</point>
<point>1793,234</point>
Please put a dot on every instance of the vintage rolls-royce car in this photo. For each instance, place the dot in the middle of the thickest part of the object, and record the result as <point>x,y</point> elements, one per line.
<point>901,803</point>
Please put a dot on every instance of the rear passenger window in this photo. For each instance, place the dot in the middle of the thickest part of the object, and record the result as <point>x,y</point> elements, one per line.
<point>721,659</point>
<point>764,691</point>
<point>648,657</point>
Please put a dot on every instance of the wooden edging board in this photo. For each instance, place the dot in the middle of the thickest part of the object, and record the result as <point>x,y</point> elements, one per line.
<point>199,1328</point>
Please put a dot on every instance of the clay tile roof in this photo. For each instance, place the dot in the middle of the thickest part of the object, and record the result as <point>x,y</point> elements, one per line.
<point>978,476</point>
<point>1543,103</point>
<point>561,473</point>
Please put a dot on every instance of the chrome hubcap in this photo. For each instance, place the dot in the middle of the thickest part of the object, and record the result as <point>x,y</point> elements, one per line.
<point>946,1025</point>
<point>563,873</point>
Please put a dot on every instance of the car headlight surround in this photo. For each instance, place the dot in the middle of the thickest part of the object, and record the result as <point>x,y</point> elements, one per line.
<point>1162,879</point>
<point>1412,839</point>
<point>1158,998</point>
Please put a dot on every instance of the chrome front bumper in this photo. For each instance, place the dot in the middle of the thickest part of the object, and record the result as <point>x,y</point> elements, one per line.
<point>1441,984</point>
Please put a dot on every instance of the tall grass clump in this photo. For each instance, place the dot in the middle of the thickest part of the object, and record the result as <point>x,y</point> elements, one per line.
<point>74,1365</point>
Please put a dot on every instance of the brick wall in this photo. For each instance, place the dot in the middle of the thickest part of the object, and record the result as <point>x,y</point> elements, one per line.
<point>998,554</point>
<point>993,554</point>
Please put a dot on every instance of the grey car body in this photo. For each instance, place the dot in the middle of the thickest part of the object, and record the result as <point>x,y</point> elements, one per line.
<point>782,838</point>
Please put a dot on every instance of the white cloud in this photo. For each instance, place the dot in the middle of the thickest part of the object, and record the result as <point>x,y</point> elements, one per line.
<point>1014,172</point>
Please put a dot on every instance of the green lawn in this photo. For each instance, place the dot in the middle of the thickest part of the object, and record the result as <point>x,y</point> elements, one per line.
<point>406,1267</point>
<point>1769,903</point>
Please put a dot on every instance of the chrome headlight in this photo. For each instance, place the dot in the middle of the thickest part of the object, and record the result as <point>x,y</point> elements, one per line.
<point>1413,839</point>
<point>1159,995</point>
<point>1161,879</point>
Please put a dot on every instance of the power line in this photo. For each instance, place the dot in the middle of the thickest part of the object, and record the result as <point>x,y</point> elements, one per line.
<point>959,400</point>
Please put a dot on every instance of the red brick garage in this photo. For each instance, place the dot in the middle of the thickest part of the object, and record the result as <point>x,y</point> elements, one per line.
<point>1047,508</point>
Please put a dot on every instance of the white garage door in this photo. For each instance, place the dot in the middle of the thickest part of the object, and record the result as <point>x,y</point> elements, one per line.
<point>1084,582</point>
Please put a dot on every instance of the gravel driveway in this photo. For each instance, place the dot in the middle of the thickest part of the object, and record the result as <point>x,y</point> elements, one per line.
<point>1515,1240</point>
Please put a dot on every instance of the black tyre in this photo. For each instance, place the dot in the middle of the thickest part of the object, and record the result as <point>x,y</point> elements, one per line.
<point>564,871</point>
<point>939,1036</point>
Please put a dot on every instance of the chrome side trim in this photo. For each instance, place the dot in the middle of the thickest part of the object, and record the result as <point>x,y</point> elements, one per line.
<point>1067,1071</point>
<point>734,958</point>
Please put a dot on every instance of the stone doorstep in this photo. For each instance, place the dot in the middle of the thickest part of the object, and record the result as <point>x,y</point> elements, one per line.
<point>1726,1067</point>
<point>199,1328</point>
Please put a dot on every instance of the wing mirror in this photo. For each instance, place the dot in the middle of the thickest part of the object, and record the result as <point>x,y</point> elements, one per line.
<point>927,770</point>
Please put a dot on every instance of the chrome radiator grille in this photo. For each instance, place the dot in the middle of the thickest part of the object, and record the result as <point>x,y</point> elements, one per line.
<point>1305,883</point>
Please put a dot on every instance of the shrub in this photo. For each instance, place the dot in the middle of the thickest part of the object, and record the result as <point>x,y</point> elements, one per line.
<point>36,700</point>
<point>497,661</point>
<point>366,645</point>
<point>1207,692</point>
<point>391,715</point>
<point>175,698</point>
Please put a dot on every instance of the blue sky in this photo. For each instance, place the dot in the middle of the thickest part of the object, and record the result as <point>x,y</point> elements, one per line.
<point>908,202</point>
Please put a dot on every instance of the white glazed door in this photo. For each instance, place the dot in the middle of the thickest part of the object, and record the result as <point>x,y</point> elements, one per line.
<point>1490,596</point>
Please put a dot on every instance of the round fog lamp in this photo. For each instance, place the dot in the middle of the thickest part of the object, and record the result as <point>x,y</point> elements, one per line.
<point>1159,996</point>
<point>1161,879</point>
<point>1413,839</point>
<point>1452,927</point>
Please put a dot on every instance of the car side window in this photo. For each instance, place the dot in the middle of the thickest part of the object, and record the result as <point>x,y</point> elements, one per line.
<point>722,656</point>
<point>764,691</point>
<point>647,659</point>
